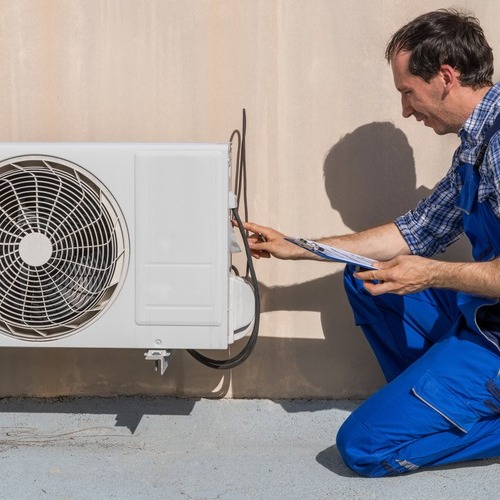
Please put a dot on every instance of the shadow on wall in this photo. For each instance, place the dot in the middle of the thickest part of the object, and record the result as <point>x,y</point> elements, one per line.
<point>370,179</point>
<point>370,176</point>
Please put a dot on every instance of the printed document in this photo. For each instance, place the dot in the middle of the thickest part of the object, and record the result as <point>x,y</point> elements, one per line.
<point>332,253</point>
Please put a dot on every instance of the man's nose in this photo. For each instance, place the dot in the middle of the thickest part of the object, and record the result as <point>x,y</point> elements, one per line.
<point>407,110</point>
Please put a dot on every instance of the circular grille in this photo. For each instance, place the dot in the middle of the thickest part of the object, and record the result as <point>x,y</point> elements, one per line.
<point>63,248</point>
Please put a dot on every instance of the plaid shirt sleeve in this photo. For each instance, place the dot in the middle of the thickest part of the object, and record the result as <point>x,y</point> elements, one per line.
<point>435,223</point>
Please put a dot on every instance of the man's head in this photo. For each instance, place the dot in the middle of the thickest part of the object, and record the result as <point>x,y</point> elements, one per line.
<point>442,67</point>
<point>445,37</point>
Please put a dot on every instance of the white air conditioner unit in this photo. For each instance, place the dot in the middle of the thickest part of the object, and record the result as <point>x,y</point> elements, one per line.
<point>115,245</point>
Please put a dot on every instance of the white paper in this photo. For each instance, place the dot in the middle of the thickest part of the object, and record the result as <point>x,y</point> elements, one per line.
<point>332,253</point>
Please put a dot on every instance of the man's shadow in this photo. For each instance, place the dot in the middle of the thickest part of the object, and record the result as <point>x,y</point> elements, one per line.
<point>370,179</point>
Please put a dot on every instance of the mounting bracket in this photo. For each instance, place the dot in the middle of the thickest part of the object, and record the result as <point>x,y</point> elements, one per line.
<point>161,357</point>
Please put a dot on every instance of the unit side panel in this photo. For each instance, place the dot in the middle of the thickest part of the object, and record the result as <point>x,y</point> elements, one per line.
<point>181,238</point>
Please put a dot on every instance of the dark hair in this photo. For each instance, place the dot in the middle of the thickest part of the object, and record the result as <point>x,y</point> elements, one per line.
<point>445,37</point>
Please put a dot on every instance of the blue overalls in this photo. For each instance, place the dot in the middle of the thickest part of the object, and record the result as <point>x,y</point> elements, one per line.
<point>441,359</point>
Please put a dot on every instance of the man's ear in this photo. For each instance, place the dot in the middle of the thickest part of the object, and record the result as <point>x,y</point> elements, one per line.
<point>449,76</point>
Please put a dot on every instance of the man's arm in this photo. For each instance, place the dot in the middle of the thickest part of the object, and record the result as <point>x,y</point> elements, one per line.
<point>380,243</point>
<point>408,274</point>
<point>399,272</point>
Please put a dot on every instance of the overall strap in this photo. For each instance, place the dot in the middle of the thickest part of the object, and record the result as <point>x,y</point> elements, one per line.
<point>484,146</point>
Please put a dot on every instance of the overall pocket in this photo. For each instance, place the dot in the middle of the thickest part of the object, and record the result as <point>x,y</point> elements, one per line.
<point>455,404</point>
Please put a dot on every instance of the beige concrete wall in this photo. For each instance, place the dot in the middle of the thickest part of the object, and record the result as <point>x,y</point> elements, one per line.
<point>328,152</point>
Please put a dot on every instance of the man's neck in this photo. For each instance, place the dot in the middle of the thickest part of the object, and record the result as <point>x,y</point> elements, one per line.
<point>467,101</point>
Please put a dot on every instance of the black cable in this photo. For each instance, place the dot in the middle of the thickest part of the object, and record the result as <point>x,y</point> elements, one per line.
<point>225,364</point>
<point>238,158</point>
<point>243,166</point>
<point>240,189</point>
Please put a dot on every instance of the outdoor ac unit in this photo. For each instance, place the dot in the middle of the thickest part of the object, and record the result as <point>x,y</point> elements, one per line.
<point>115,245</point>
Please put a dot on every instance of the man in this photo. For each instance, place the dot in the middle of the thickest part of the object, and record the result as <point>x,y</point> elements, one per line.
<point>434,326</point>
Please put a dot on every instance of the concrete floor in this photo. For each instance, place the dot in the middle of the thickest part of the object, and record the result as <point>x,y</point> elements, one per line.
<point>161,448</point>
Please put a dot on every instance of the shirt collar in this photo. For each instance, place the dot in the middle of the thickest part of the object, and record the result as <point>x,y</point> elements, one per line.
<point>482,117</point>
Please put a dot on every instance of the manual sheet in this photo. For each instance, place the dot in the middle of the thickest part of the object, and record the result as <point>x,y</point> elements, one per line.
<point>332,253</point>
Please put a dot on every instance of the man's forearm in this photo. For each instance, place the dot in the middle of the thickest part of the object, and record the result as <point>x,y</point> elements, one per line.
<point>409,274</point>
<point>380,243</point>
<point>479,278</point>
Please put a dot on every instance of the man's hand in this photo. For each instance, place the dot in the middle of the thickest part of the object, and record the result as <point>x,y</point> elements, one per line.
<point>402,275</point>
<point>265,241</point>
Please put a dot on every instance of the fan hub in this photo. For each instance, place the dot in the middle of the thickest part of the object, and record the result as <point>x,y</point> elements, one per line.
<point>35,249</point>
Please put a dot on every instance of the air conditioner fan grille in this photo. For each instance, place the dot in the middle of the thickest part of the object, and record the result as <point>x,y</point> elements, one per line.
<point>63,248</point>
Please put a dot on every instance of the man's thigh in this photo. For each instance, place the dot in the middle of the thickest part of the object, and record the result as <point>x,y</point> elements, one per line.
<point>400,329</point>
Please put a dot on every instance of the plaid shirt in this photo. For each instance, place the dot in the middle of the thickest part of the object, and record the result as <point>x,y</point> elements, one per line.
<point>436,222</point>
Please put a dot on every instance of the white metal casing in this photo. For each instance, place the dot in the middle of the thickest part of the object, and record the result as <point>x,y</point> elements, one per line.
<point>175,200</point>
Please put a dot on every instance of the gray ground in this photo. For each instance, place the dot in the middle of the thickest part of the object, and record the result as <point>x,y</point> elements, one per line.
<point>136,448</point>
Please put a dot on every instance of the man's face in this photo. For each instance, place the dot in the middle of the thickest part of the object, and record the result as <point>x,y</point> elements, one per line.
<point>423,100</point>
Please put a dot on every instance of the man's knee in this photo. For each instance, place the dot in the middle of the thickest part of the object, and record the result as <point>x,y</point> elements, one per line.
<point>358,447</point>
